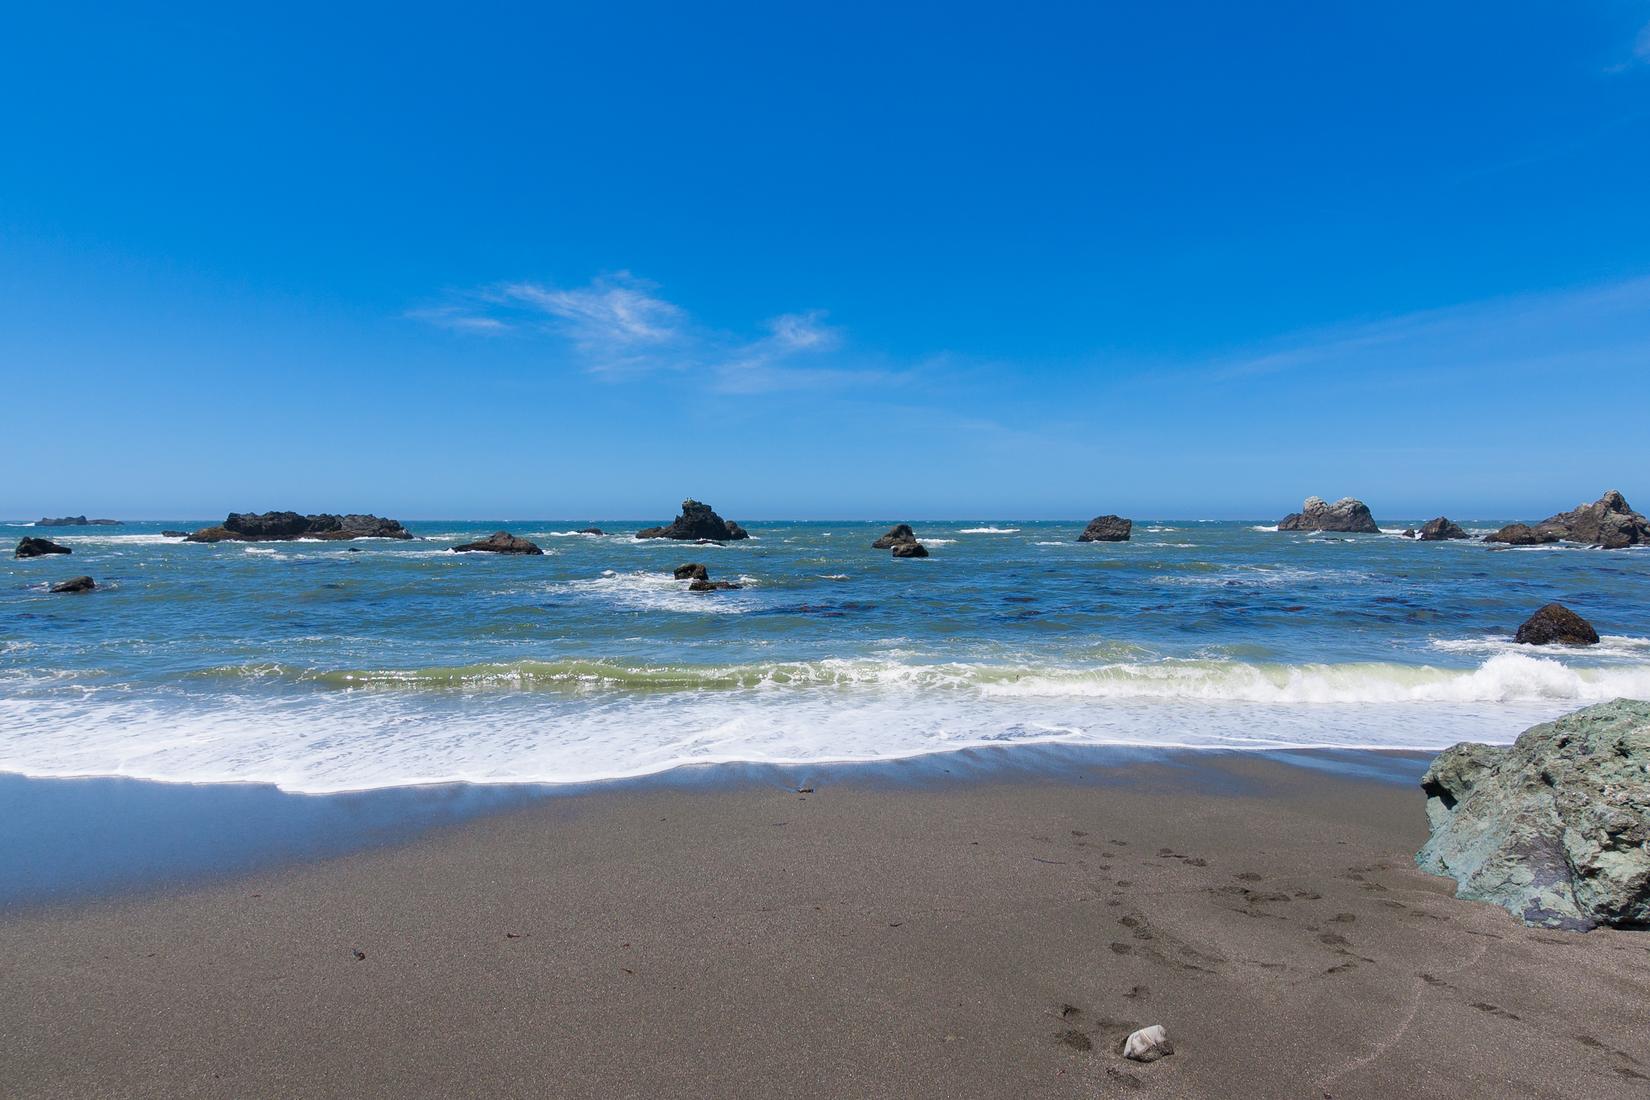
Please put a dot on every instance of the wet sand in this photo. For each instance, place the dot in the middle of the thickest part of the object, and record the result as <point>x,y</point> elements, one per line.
<point>888,934</point>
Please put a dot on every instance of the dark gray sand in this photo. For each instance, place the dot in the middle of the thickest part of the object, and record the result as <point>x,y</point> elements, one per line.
<point>995,937</point>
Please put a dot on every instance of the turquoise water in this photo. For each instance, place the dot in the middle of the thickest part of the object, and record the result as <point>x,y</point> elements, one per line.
<point>319,669</point>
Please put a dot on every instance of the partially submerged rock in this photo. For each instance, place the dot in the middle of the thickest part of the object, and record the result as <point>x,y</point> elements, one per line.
<point>1148,1044</point>
<point>1554,829</point>
<point>1409,532</point>
<point>1107,529</point>
<point>1522,534</point>
<point>1556,624</point>
<point>286,526</point>
<point>591,531</point>
<point>1345,514</point>
<point>499,542</point>
<point>31,547</point>
<point>911,549</point>
<point>698,522</point>
<point>174,534</point>
<point>1441,529</point>
<point>78,584</point>
<point>900,532</point>
<point>692,571</point>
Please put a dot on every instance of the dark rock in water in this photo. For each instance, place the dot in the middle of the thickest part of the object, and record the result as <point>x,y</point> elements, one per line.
<point>1409,532</point>
<point>1554,829</point>
<point>591,531</point>
<point>79,584</point>
<point>692,571</point>
<point>1440,529</point>
<point>77,521</point>
<point>1345,514</point>
<point>1607,522</point>
<point>910,550</point>
<point>174,534</point>
<point>1107,529</point>
<point>285,526</point>
<point>352,550</point>
<point>499,542</point>
<point>697,522</point>
<point>31,547</point>
<point>900,532</point>
<point>704,584</point>
<point>1556,624</point>
<point>1522,534</point>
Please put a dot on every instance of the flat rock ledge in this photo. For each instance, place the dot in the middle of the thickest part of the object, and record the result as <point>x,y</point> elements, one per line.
<point>287,526</point>
<point>1107,529</point>
<point>499,542</point>
<point>697,523</point>
<point>1346,514</point>
<point>1556,828</point>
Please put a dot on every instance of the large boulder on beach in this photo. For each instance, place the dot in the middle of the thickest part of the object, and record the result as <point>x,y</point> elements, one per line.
<point>285,526</point>
<point>899,532</point>
<point>1107,529</point>
<point>499,542</point>
<point>1442,529</point>
<point>1345,514</point>
<point>31,547</point>
<point>1522,534</point>
<point>1556,828</point>
<point>698,522</point>
<point>1556,624</point>
<point>78,584</point>
<point>911,549</point>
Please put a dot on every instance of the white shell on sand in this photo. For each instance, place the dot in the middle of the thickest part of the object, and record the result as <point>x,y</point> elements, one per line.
<point>1148,1044</point>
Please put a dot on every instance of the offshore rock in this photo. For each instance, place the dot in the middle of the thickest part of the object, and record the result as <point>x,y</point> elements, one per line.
<point>1440,529</point>
<point>900,532</point>
<point>1554,829</point>
<point>1607,522</point>
<point>1556,624</point>
<point>1107,529</point>
<point>697,522</point>
<point>1522,534</point>
<point>499,542</point>
<point>591,531</point>
<point>911,549</point>
<point>30,547</point>
<point>285,526</point>
<point>1345,514</point>
<point>705,584</point>
<point>77,521</point>
<point>174,534</point>
<point>692,571</point>
<point>78,584</point>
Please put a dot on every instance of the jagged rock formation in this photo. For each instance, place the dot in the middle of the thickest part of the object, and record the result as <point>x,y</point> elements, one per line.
<point>1440,529</point>
<point>1346,514</point>
<point>1608,522</point>
<point>900,532</point>
<point>1107,529</point>
<point>698,522</point>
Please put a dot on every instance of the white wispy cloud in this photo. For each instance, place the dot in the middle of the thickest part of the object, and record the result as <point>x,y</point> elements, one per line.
<point>620,326</point>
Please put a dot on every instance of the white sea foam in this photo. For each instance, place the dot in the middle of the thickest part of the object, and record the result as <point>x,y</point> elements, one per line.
<point>988,530</point>
<point>936,542</point>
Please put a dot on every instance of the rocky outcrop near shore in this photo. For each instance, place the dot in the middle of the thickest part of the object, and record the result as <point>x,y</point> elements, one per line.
<point>78,584</point>
<point>31,547</point>
<point>1107,529</point>
<point>1346,514</point>
<point>697,523</point>
<point>1441,529</point>
<point>900,532</point>
<point>77,521</point>
<point>1554,829</point>
<point>499,542</point>
<point>1556,624</point>
<point>1609,522</point>
<point>286,526</point>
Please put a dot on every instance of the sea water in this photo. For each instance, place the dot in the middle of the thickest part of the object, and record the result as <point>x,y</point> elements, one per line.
<point>316,668</point>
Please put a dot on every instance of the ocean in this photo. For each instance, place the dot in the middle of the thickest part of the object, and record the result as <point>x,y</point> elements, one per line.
<point>318,669</point>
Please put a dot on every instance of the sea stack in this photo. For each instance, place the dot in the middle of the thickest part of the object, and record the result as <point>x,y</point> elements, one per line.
<point>286,526</point>
<point>1107,529</point>
<point>499,542</point>
<point>697,523</point>
<point>900,532</point>
<point>1609,522</point>
<point>30,547</point>
<point>1347,514</point>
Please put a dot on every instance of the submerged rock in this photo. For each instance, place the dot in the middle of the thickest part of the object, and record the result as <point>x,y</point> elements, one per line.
<point>591,531</point>
<point>174,534</point>
<point>30,547</point>
<point>1556,624</point>
<point>285,526</point>
<point>77,521</point>
<point>911,549</point>
<point>1522,534</point>
<point>697,522</point>
<point>1148,1044</point>
<point>692,571</point>
<point>1107,529</point>
<point>1440,529</point>
<point>78,584</point>
<point>1554,829</point>
<point>705,584</point>
<point>499,542</point>
<point>900,532</point>
<point>1346,514</point>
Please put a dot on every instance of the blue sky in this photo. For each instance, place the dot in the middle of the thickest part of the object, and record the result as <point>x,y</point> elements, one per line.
<point>855,260</point>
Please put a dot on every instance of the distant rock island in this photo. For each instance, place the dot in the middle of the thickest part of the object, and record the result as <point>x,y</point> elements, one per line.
<point>1608,522</point>
<point>286,526</point>
<point>697,523</point>
<point>77,521</point>
<point>1107,529</point>
<point>1346,514</point>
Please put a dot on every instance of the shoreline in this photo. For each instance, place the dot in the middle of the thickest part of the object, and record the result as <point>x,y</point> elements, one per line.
<point>897,931</point>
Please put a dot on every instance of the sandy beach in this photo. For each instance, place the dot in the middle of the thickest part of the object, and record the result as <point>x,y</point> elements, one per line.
<point>902,931</point>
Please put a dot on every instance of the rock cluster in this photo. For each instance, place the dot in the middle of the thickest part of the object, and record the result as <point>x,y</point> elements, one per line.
<point>1441,529</point>
<point>499,542</point>
<point>1556,624</point>
<point>285,526</point>
<point>78,584</point>
<point>1107,529</point>
<point>1345,514</point>
<point>1556,828</point>
<point>699,578</point>
<point>76,521</point>
<point>1608,522</point>
<point>698,522</point>
<point>30,547</point>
